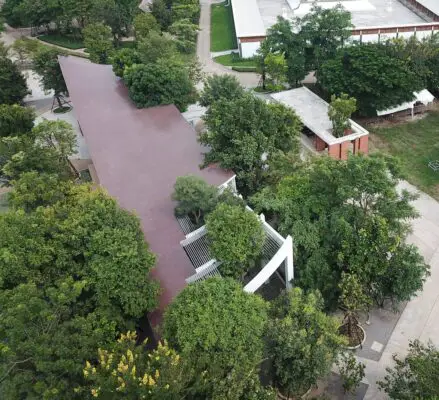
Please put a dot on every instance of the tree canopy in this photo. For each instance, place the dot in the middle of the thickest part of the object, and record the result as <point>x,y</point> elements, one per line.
<point>235,237</point>
<point>369,73</point>
<point>243,132</point>
<point>348,216</point>
<point>216,87</point>
<point>163,82</point>
<point>13,86</point>
<point>72,273</point>
<point>218,328</point>
<point>97,40</point>
<point>15,120</point>
<point>415,375</point>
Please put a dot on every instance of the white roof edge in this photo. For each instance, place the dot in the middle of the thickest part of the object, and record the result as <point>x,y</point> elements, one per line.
<point>247,19</point>
<point>359,28</point>
<point>423,96</point>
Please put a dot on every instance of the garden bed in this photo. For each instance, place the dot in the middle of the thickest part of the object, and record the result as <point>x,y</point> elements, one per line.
<point>233,60</point>
<point>222,28</point>
<point>66,41</point>
<point>356,336</point>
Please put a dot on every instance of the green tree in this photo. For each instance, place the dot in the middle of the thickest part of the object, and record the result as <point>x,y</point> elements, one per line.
<point>282,38</point>
<point>162,13</point>
<point>185,33</point>
<point>156,46</point>
<point>127,370</point>
<point>216,87</point>
<point>13,13</point>
<point>347,216</point>
<point>46,65</point>
<point>218,328</point>
<point>367,72</point>
<point>415,376</point>
<point>339,112</point>
<point>97,40</point>
<point>195,198</point>
<point>351,371</point>
<point>235,237</point>
<point>325,30</point>
<point>46,148</point>
<point>143,24</point>
<point>244,132</point>
<point>124,58</point>
<point>276,69</point>
<point>164,82</point>
<point>15,120</point>
<point>13,86</point>
<point>304,341</point>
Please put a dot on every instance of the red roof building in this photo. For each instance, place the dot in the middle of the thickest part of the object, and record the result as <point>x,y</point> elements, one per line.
<point>138,154</point>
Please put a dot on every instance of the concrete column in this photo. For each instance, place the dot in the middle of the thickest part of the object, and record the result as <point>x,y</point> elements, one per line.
<point>356,146</point>
<point>319,144</point>
<point>364,145</point>
<point>289,263</point>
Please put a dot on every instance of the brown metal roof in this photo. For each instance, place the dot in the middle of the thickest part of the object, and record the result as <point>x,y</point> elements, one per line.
<point>138,154</point>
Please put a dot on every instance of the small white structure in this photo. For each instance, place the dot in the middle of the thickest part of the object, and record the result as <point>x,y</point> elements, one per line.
<point>424,97</point>
<point>249,27</point>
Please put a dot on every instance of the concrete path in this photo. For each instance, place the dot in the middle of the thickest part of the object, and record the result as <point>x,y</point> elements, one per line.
<point>420,319</point>
<point>247,79</point>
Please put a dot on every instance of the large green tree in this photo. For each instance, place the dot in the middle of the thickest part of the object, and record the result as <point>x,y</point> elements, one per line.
<point>377,79</point>
<point>163,82</point>
<point>348,216</point>
<point>13,86</point>
<point>218,328</point>
<point>242,134</point>
<point>415,375</point>
<point>71,274</point>
<point>97,40</point>
<point>15,120</point>
<point>216,87</point>
<point>303,341</point>
<point>235,237</point>
<point>155,46</point>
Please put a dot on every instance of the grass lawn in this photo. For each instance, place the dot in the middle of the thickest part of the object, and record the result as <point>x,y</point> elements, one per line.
<point>69,42</point>
<point>415,143</point>
<point>233,60</point>
<point>222,28</point>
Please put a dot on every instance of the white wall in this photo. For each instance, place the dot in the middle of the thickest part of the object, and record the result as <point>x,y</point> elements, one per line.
<point>248,49</point>
<point>385,36</point>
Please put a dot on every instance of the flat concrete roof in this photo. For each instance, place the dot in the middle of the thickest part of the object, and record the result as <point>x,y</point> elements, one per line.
<point>364,13</point>
<point>138,154</point>
<point>432,5</point>
<point>247,18</point>
<point>313,111</point>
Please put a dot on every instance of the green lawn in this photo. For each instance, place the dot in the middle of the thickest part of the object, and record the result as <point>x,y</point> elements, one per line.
<point>69,42</point>
<point>222,28</point>
<point>233,60</point>
<point>415,144</point>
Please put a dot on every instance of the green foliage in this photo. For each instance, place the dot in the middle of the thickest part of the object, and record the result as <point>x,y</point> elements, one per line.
<point>97,40</point>
<point>128,371</point>
<point>45,149</point>
<point>13,86</point>
<point>243,132</point>
<point>351,371</point>
<point>347,216</point>
<point>195,198</point>
<point>143,24</point>
<point>235,237</point>
<point>12,12</point>
<point>325,30</point>
<point>275,67</point>
<point>339,112</point>
<point>185,33</point>
<point>156,46</point>
<point>46,65</point>
<point>224,87</point>
<point>164,82</point>
<point>218,329</point>
<point>162,13</point>
<point>72,273</point>
<point>415,376</point>
<point>24,48</point>
<point>122,59</point>
<point>369,73</point>
<point>15,120</point>
<point>304,341</point>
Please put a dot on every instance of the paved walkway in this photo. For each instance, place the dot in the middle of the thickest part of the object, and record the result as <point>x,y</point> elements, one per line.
<point>420,319</point>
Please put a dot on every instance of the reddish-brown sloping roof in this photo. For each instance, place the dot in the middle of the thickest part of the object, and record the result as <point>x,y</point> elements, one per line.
<point>138,154</point>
